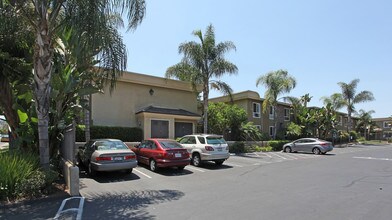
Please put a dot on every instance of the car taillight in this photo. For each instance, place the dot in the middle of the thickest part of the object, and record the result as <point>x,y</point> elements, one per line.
<point>130,157</point>
<point>324,144</point>
<point>209,148</point>
<point>103,158</point>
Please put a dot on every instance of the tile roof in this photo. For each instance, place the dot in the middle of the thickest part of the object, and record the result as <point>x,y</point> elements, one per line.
<point>167,111</point>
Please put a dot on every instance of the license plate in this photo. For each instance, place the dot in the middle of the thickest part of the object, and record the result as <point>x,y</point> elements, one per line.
<point>177,155</point>
<point>219,149</point>
<point>118,158</point>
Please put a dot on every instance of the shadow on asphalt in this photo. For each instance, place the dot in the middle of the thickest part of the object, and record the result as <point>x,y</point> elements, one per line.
<point>132,205</point>
<point>109,177</point>
<point>212,166</point>
<point>169,171</point>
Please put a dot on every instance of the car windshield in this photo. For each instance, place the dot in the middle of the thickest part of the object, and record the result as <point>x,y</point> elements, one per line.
<point>169,144</point>
<point>215,140</point>
<point>110,145</point>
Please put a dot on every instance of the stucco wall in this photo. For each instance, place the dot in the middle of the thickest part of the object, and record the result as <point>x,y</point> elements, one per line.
<point>132,93</point>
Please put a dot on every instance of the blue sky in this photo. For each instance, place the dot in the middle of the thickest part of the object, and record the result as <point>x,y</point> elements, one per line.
<point>320,43</point>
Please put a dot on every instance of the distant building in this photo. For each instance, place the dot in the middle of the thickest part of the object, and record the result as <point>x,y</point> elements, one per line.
<point>384,128</point>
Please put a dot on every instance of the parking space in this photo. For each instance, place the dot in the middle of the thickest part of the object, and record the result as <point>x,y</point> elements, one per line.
<point>234,162</point>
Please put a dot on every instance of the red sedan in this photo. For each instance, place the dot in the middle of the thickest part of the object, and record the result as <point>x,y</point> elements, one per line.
<point>162,153</point>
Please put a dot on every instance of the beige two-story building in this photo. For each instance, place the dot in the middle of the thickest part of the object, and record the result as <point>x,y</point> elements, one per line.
<point>163,108</point>
<point>384,128</point>
<point>252,103</point>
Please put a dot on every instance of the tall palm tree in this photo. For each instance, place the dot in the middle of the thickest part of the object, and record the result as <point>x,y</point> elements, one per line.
<point>277,83</point>
<point>202,62</point>
<point>46,17</point>
<point>350,98</point>
<point>365,121</point>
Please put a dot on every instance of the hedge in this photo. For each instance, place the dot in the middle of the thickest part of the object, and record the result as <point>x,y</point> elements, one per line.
<point>126,134</point>
<point>277,145</point>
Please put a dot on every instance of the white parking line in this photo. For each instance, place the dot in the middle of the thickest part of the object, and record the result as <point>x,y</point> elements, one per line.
<point>266,155</point>
<point>275,154</point>
<point>142,173</point>
<point>233,164</point>
<point>78,210</point>
<point>372,158</point>
<point>291,156</point>
<point>194,168</point>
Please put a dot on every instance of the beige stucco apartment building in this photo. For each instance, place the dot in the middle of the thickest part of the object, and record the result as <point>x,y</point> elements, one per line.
<point>384,128</point>
<point>252,103</point>
<point>163,108</point>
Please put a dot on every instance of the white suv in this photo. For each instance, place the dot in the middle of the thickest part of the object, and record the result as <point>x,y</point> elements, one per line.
<point>206,147</point>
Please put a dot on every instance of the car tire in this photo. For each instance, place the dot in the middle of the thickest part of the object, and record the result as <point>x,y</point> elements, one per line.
<point>287,149</point>
<point>181,168</point>
<point>316,150</point>
<point>90,170</point>
<point>130,170</point>
<point>219,162</point>
<point>153,165</point>
<point>196,161</point>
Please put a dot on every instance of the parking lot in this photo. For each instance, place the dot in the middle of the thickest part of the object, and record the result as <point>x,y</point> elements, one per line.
<point>251,185</point>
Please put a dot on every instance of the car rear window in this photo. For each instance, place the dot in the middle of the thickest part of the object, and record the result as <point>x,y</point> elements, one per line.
<point>110,145</point>
<point>215,140</point>
<point>170,144</point>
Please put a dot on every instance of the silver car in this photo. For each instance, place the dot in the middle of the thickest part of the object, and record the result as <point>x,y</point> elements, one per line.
<point>106,155</point>
<point>311,145</point>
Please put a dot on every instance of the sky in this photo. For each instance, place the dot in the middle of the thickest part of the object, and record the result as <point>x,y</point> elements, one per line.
<point>319,43</point>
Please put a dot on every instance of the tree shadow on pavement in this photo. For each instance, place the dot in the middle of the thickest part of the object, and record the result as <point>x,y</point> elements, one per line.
<point>132,205</point>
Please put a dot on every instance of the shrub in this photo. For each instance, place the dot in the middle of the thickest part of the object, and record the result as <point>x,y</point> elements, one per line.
<point>237,147</point>
<point>266,149</point>
<point>126,134</point>
<point>15,168</point>
<point>21,176</point>
<point>277,145</point>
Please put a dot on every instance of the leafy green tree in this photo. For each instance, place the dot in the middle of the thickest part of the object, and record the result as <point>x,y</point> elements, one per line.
<point>46,17</point>
<point>350,98</point>
<point>276,83</point>
<point>203,64</point>
<point>16,41</point>
<point>226,119</point>
<point>365,122</point>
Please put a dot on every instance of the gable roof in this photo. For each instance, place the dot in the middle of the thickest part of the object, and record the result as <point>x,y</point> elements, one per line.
<point>167,111</point>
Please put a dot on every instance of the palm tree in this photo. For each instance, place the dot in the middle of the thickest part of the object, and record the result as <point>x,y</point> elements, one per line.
<point>365,122</point>
<point>335,100</point>
<point>46,17</point>
<point>202,62</point>
<point>350,98</point>
<point>276,83</point>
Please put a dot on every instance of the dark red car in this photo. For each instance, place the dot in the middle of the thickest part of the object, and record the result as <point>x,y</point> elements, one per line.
<point>162,153</point>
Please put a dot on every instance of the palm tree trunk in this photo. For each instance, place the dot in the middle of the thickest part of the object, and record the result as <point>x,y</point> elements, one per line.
<point>6,101</point>
<point>275,121</point>
<point>43,55</point>
<point>87,119</point>
<point>205,106</point>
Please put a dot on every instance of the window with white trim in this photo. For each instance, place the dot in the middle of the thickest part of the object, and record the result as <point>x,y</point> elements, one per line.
<point>387,124</point>
<point>256,110</point>
<point>271,112</point>
<point>287,114</point>
<point>258,127</point>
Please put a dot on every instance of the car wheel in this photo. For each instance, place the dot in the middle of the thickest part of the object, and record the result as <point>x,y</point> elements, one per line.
<point>130,170</point>
<point>153,165</point>
<point>180,168</point>
<point>196,161</point>
<point>90,170</point>
<point>316,150</point>
<point>219,162</point>
<point>287,149</point>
